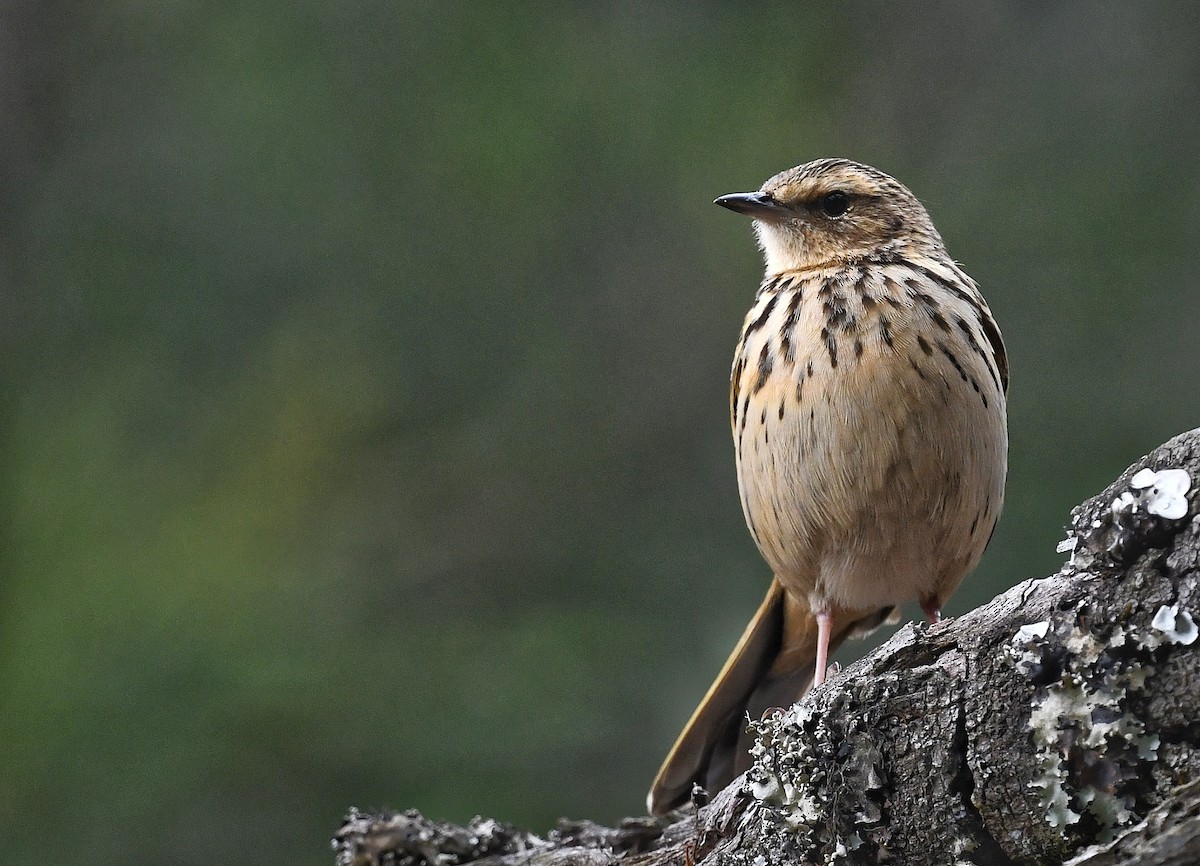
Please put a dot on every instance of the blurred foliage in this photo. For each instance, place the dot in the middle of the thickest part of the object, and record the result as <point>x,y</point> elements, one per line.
<point>365,433</point>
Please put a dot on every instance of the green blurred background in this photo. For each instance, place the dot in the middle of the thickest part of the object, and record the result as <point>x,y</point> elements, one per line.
<point>365,373</point>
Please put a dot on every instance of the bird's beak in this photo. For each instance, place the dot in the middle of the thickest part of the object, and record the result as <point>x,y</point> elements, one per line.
<point>760,205</point>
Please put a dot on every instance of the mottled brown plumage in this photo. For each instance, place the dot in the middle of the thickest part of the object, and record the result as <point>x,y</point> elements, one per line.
<point>867,403</point>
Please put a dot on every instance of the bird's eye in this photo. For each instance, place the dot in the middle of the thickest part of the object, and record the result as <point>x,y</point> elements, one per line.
<point>835,204</point>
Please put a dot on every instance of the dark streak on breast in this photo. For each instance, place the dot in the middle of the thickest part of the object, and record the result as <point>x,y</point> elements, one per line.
<point>885,332</point>
<point>838,315</point>
<point>761,318</point>
<point>830,346</point>
<point>766,361</point>
<point>997,342</point>
<point>793,308</point>
<point>990,366</point>
<point>950,356</point>
<point>735,381</point>
<point>938,319</point>
<point>972,340</point>
<point>860,285</point>
<point>791,314</point>
<point>953,287</point>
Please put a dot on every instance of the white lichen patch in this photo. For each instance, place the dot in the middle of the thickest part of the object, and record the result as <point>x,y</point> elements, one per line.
<point>1055,801</point>
<point>1111,811</point>
<point>1080,718</point>
<point>1027,633</point>
<point>767,789</point>
<point>1150,498</point>
<point>843,847</point>
<point>1125,727</point>
<point>1163,493</point>
<point>1177,627</point>
<point>797,776</point>
<point>1147,746</point>
<point>787,747</point>
<point>1126,502</point>
<point>1084,647</point>
<point>1023,647</point>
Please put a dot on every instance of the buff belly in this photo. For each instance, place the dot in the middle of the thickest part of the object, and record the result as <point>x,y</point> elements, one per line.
<point>866,481</point>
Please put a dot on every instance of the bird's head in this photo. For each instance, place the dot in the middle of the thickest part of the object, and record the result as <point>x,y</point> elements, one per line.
<point>831,211</point>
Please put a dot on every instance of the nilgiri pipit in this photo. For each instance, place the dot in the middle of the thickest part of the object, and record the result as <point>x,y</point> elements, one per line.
<point>868,410</point>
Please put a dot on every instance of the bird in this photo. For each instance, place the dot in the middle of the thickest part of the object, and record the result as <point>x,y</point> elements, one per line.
<point>868,404</point>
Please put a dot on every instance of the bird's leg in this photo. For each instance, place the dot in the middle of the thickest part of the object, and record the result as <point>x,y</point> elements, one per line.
<point>933,609</point>
<point>824,628</point>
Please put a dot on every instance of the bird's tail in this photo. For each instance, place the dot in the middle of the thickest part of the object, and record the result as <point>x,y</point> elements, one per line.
<point>771,666</point>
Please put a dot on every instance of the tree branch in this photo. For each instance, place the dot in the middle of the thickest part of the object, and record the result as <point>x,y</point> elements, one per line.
<point>1063,714</point>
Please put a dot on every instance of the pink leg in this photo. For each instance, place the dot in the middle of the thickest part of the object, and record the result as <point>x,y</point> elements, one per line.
<point>824,627</point>
<point>933,610</point>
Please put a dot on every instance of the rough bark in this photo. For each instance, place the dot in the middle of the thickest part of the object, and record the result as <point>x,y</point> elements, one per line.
<point>1059,723</point>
